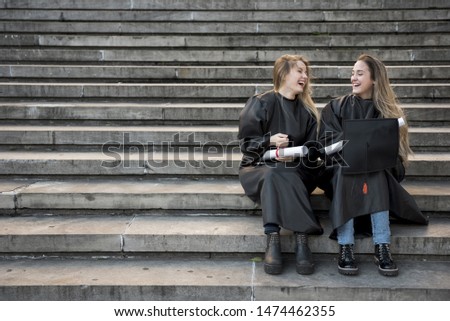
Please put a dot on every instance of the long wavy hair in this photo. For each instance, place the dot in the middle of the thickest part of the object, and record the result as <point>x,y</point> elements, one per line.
<point>281,69</point>
<point>386,101</point>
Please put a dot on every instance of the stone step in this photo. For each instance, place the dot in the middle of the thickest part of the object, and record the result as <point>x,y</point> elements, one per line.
<point>224,56</point>
<point>205,279</point>
<point>131,234</point>
<point>224,5</point>
<point>429,92</point>
<point>201,161</point>
<point>117,195</point>
<point>125,73</point>
<point>274,15</point>
<point>222,113</point>
<point>256,41</point>
<point>145,136</point>
<point>231,27</point>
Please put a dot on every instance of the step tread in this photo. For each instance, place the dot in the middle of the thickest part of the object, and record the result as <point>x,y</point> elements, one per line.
<point>174,186</point>
<point>190,233</point>
<point>213,279</point>
<point>198,154</point>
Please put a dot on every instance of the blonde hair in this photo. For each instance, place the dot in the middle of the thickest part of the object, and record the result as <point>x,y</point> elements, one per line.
<point>281,69</point>
<point>386,101</point>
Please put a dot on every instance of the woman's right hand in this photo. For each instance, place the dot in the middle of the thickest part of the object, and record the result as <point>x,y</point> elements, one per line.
<point>279,140</point>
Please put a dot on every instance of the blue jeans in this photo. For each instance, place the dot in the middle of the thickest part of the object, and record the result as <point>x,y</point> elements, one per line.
<point>380,230</point>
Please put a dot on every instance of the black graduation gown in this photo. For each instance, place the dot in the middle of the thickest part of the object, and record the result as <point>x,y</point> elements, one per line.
<point>357,195</point>
<point>281,188</point>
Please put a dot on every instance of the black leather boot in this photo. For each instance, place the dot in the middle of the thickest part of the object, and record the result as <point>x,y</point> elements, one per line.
<point>346,263</point>
<point>383,259</point>
<point>303,256</point>
<point>273,263</point>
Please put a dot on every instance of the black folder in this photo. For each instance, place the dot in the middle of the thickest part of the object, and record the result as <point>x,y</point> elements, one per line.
<point>372,145</point>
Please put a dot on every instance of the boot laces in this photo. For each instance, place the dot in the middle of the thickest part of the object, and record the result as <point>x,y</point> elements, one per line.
<point>384,253</point>
<point>347,251</point>
<point>302,238</point>
<point>273,238</point>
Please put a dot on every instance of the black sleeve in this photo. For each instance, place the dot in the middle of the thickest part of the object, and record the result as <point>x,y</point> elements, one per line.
<point>311,141</point>
<point>253,139</point>
<point>330,130</point>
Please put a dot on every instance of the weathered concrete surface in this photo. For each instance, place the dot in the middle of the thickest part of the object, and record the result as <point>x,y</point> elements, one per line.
<point>191,279</point>
<point>433,113</point>
<point>201,233</point>
<point>201,161</point>
<point>374,5</point>
<point>125,73</point>
<point>408,92</point>
<point>120,71</point>
<point>140,16</point>
<point>225,56</point>
<point>177,194</point>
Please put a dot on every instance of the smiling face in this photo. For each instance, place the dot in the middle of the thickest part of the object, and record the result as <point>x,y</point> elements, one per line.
<point>361,79</point>
<point>295,81</point>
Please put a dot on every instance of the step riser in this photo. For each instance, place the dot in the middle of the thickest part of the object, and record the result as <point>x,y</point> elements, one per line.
<point>189,234</point>
<point>115,164</point>
<point>223,4</point>
<point>420,74</point>
<point>92,201</point>
<point>322,16</point>
<point>254,41</point>
<point>115,140</point>
<point>122,28</point>
<point>198,92</point>
<point>181,113</point>
<point>18,244</point>
<point>226,56</point>
<point>219,292</point>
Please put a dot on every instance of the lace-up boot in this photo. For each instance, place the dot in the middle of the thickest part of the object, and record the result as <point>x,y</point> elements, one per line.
<point>273,263</point>
<point>303,256</point>
<point>346,263</point>
<point>383,259</point>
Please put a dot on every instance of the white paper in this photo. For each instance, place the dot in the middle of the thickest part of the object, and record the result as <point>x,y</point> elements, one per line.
<point>297,151</point>
<point>334,148</point>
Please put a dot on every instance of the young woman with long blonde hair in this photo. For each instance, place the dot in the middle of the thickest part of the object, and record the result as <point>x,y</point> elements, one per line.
<point>282,117</point>
<point>363,202</point>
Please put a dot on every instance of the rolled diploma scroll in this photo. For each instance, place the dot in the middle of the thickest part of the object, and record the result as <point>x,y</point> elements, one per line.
<point>301,151</point>
<point>336,147</point>
<point>333,148</point>
<point>297,151</point>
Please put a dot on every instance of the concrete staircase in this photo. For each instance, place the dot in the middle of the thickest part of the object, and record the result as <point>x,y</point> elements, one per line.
<point>119,155</point>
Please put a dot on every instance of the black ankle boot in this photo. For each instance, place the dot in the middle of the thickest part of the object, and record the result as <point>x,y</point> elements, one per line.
<point>273,263</point>
<point>346,263</point>
<point>383,259</point>
<point>303,256</point>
